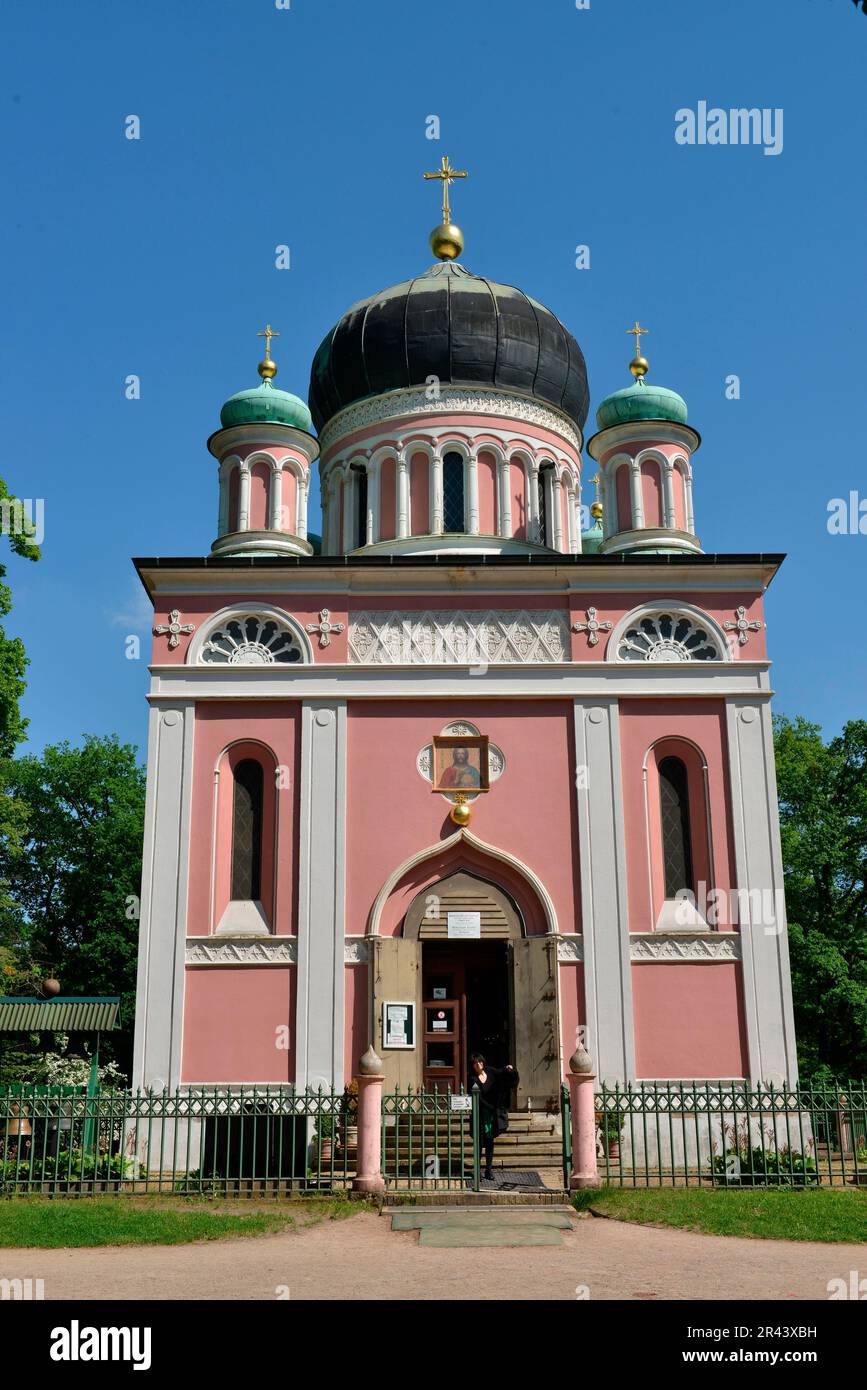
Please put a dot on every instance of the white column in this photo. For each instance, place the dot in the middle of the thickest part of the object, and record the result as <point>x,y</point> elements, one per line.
<point>668,494</point>
<point>163,923</point>
<point>687,498</point>
<point>635,494</point>
<point>576,515</point>
<point>244,498</point>
<point>302,490</point>
<point>557,509</point>
<point>321,895</point>
<point>604,907</point>
<point>436,477</point>
<point>761,901</point>
<point>472,468</point>
<point>609,503</point>
<point>570,521</point>
<point>505,511</point>
<point>403,497</point>
<point>275,508</point>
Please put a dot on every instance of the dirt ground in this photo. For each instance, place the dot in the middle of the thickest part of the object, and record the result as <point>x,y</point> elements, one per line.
<point>361,1258</point>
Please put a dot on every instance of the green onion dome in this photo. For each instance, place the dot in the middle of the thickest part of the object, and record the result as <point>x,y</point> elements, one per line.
<point>268,405</point>
<point>641,401</point>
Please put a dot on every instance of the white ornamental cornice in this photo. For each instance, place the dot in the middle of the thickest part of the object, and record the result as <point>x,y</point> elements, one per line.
<point>684,946</point>
<point>449,400</point>
<point>474,637</point>
<point>259,950</point>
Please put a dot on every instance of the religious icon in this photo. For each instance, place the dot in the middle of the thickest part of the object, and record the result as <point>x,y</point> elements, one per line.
<point>460,763</point>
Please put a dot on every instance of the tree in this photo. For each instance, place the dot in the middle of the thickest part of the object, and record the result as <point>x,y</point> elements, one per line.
<point>823,821</point>
<point>71,876</point>
<point>13,659</point>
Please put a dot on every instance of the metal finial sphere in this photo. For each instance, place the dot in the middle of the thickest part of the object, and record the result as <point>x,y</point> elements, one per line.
<point>638,367</point>
<point>267,369</point>
<point>596,510</point>
<point>447,241</point>
<point>460,813</point>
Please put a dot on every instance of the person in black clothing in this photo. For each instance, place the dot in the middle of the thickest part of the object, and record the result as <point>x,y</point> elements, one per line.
<point>495,1085</point>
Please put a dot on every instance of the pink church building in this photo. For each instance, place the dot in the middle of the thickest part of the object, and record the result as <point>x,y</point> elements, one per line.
<point>484,769</point>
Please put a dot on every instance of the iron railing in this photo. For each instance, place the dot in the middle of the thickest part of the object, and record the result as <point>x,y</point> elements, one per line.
<point>732,1135</point>
<point>431,1139</point>
<point>197,1139</point>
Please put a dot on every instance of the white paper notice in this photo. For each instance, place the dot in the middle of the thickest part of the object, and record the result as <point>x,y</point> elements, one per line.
<point>464,923</point>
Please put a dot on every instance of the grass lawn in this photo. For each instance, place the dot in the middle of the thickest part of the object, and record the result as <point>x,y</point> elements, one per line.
<point>772,1214</point>
<point>58,1223</point>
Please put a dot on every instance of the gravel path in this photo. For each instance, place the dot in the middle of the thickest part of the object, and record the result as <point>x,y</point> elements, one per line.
<point>361,1257</point>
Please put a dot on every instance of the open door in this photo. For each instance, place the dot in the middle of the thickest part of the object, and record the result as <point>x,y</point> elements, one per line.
<point>537,1026</point>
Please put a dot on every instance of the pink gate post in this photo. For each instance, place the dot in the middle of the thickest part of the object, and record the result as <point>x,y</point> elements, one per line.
<point>583,1106</point>
<point>368,1178</point>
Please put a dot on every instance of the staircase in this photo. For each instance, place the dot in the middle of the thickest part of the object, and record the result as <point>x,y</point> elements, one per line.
<point>533,1140</point>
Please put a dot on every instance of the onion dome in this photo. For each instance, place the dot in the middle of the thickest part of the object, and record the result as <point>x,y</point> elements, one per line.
<point>266,403</point>
<point>641,402</point>
<point>458,327</point>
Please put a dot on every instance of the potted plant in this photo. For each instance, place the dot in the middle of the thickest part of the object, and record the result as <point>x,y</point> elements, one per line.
<point>350,1116</point>
<point>610,1124</point>
<point>324,1140</point>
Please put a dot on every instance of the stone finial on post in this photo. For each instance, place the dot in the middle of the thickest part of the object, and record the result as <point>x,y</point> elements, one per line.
<point>368,1178</point>
<point>583,1104</point>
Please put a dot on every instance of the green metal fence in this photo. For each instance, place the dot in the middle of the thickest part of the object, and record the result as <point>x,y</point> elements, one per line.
<point>199,1139</point>
<point>732,1135</point>
<point>431,1140</point>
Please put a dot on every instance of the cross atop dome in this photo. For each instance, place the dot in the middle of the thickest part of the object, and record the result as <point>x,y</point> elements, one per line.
<point>446,240</point>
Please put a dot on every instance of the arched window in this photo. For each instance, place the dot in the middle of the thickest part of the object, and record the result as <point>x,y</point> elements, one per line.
<point>676,835</point>
<point>453,493</point>
<point>247,831</point>
<point>360,473</point>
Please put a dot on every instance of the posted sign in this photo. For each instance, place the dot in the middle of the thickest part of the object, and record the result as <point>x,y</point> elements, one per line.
<point>464,924</point>
<point>398,1024</point>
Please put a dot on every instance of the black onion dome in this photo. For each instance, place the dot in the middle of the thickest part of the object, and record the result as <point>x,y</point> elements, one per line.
<point>458,327</point>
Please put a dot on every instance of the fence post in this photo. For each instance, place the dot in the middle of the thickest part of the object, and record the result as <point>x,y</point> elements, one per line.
<point>369,1177</point>
<point>583,1104</point>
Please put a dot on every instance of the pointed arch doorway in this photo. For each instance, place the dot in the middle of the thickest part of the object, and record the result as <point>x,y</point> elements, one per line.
<point>485,985</point>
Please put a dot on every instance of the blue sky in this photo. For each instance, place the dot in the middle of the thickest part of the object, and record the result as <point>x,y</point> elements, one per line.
<point>306,126</point>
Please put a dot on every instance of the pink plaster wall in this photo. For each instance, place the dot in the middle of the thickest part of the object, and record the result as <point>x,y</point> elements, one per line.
<point>624,499</point>
<point>229,761</point>
<point>519,502</point>
<point>218,725</point>
<point>651,493</point>
<point>689,1021</point>
<point>487,475</point>
<point>357,1018</point>
<point>260,480</point>
<point>387,500</point>
<point>199,608</point>
<point>642,724</point>
<point>231,1017</point>
<point>392,813</point>
<point>613,606</point>
<point>419,491</point>
<point>234,498</point>
<point>573,1014</point>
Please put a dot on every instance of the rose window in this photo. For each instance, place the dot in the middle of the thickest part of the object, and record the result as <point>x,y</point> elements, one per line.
<point>667,637</point>
<point>252,641</point>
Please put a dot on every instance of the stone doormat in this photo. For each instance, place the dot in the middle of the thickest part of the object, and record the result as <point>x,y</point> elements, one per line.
<point>484,1226</point>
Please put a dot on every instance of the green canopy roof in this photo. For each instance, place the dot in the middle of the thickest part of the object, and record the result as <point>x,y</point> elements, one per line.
<point>19,1014</point>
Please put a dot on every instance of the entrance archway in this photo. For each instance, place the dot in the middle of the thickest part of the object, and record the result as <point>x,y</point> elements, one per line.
<point>465,927</point>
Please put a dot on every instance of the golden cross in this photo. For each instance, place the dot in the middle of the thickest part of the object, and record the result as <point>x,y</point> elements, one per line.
<point>595,480</point>
<point>446,174</point>
<point>268,333</point>
<point>638,330</point>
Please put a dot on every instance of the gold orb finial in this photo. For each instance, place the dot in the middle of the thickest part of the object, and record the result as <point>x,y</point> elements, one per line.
<point>267,368</point>
<point>639,365</point>
<point>461,811</point>
<point>596,510</point>
<point>446,240</point>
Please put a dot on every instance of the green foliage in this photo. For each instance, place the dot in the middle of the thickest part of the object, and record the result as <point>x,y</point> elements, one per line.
<point>758,1167</point>
<point>71,876</point>
<point>823,822</point>
<point>66,1165</point>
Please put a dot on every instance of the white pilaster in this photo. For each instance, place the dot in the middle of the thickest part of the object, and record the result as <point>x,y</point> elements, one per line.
<point>244,498</point>
<point>321,895</point>
<point>403,497</point>
<point>556,510</point>
<point>668,494</point>
<point>163,905</point>
<point>473,494</point>
<point>374,498</point>
<point>275,509</point>
<point>302,489</point>
<point>436,476</point>
<point>349,496</point>
<point>687,498</point>
<point>761,902</point>
<point>604,908</point>
<point>635,495</point>
<point>531,483</point>
<point>223,516</point>
<point>504,513</point>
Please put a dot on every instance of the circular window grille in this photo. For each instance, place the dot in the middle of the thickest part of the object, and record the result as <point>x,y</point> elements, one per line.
<point>251,641</point>
<point>667,637</point>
